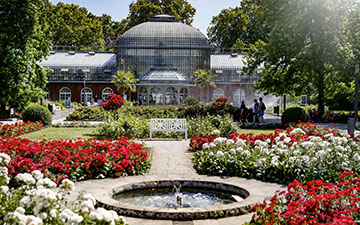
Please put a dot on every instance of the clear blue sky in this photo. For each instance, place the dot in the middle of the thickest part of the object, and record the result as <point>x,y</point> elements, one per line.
<point>119,9</point>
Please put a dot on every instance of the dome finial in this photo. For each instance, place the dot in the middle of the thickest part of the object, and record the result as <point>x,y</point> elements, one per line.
<point>163,18</point>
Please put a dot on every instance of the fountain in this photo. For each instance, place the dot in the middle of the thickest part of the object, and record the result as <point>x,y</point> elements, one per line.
<point>179,199</point>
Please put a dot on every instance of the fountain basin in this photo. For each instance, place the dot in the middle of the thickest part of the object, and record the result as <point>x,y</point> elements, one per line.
<point>242,200</point>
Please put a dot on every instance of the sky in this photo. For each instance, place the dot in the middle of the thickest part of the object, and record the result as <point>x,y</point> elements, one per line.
<point>119,9</point>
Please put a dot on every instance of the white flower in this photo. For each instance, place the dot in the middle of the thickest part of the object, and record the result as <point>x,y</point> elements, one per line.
<point>246,153</point>
<point>25,201</point>
<point>219,154</point>
<point>320,154</point>
<point>205,146</point>
<point>53,213</point>
<point>67,184</point>
<point>232,151</point>
<point>287,140</point>
<point>219,140</point>
<point>37,174</point>
<point>4,189</point>
<point>20,210</point>
<point>4,158</point>
<point>26,178</point>
<point>356,157</point>
<point>240,142</point>
<point>229,142</point>
<point>297,131</point>
<point>43,215</point>
<point>215,132</point>
<point>212,145</point>
<point>274,161</point>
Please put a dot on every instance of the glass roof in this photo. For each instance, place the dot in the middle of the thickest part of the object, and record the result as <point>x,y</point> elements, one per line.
<point>163,31</point>
<point>163,75</point>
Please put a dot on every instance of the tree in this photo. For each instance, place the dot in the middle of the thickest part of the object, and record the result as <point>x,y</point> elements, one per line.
<point>112,30</point>
<point>238,27</point>
<point>74,26</point>
<point>23,43</point>
<point>204,78</point>
<point>304,48</point>
<point>125,82</point>
<point>142,10</point>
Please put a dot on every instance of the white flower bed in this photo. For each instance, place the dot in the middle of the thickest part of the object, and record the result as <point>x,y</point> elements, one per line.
<point>34,201</point>
<point>280,158</point>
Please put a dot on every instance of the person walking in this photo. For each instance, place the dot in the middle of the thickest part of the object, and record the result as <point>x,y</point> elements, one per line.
<point>255,111</point>
<point>243,110</point>
<point>261,111</point>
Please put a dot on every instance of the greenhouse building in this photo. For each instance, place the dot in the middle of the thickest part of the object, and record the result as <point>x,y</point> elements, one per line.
<point>163,54</point>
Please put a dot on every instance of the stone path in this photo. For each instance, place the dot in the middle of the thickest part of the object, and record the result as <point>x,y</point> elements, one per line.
<point>172,160</point>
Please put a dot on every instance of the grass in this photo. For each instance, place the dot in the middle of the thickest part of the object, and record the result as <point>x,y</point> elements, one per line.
<point>256,131</point>
<point>53,133</point>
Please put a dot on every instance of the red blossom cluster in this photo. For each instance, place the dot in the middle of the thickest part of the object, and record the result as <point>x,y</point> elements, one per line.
<point>114,102</point>
<point>309,129</point>
<point>221,103</point>
<point>314,202</point>
<point>76,160</point>
<point>197,142</point>
<point>19,128</point>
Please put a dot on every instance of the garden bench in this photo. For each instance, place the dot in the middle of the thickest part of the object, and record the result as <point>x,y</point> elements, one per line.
<point>170,125</point>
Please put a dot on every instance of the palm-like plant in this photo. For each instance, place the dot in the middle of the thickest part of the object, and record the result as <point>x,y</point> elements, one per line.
<point>125,82</point>
<point>203,78</point>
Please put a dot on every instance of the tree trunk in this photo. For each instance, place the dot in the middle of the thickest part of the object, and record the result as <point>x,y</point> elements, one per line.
<point>321,106</point>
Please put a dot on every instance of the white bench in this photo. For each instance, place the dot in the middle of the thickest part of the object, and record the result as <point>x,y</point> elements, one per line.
<point>170,125</point>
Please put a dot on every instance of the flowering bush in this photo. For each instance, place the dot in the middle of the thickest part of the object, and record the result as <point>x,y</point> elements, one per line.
<point>221,103</point>
<point>305,152</point>
<point>314,202</point>
<point>114,102</point>
<point>76,160</point>
<point>19,128</point>
<point>32,199</point>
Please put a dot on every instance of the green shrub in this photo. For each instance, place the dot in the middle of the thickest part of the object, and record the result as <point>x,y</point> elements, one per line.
<point>191,100</point>
<point>294,114</point>
<point>36,113</point>
<point>139,127</point>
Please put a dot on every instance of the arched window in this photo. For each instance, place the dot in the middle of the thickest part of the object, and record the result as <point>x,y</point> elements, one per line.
<point>65,94</point>
<point>47,94</point>
<point>156,96</point>
<point>239,95</point>
<point>86,96</point>
<point>184,93</point>
<point>105,92</point>
<point>142,96</point>
<point>218,93</point>
<point>170,96</point>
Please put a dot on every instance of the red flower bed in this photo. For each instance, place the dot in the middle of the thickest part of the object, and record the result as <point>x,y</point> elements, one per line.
<point>314,202</point>
<point>309,129</point>
<point>20,128</point>
<point>76,160</point>
<point>197,142</point>
<point>114,102</point>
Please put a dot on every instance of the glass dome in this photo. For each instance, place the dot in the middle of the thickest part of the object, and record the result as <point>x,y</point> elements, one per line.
<point>163,31</point>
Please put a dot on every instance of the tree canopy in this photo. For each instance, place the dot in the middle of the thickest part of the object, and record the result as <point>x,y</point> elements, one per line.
<point>24,42</point>
<point>125,82</point>
<point>305,49</point>
<point>142,10</point>
<point>238,27</point>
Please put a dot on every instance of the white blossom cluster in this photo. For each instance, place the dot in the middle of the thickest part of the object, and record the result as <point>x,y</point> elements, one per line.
<point>38,202</point>
<point>319,157</point>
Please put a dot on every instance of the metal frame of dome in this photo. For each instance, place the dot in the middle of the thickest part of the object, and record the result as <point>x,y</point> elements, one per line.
<point>163,31</point>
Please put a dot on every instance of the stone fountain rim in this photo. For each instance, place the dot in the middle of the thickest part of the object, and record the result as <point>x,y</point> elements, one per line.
<point>232,209</point>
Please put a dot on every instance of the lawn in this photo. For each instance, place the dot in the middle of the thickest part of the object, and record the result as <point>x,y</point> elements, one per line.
<point>256,131</point>
<point>53,133</point>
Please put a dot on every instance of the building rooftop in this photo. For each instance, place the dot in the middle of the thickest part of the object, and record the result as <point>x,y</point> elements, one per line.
<point>163,75</point>
<point>69,59</point>
<point>163,31</point>
<point>227,61</point>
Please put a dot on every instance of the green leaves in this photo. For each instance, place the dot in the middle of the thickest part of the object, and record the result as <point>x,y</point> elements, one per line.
<point>125,82</point>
